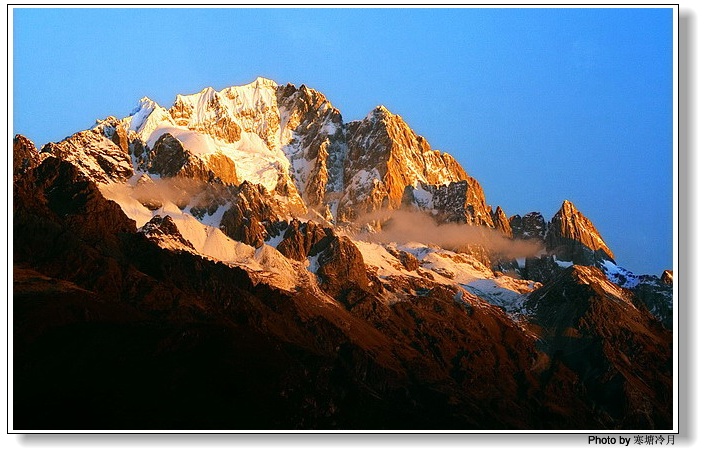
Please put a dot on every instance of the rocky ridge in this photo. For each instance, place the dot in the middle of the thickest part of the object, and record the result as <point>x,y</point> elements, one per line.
<point>572,237</point>
<point>223,218</point>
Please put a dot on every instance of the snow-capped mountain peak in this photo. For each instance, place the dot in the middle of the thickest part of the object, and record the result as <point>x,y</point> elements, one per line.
<point>231,223</point>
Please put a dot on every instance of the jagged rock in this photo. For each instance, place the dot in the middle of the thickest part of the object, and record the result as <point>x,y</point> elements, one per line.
<point>509,267</point>
<point>229,113</point>
<point>622,355</point>
<point>657,297</point>
<point>253,215</point>
<point>572,237</point>
<point>385,157</point>
<point>97,302</point>
<point>169,158</point>
<point>223,169</point>
<point>137,149</point>
<point>220,124</point>
<point>500,222</point>
<point>164,229</point>
<point>300,238</point>
<point>25,156</point>
<point>542,269</point>
<point>181,111</point>
<point>335,259</point>
<point>338,169</point>
<point>59,189</point>
<point>341,268</point>
<point>531,226</point>
<point>317,148</point>
<point>453,202</point>
<point>409,261</point>
<point>236,119</point>
<point>113,129</point>
<point>94,154</point>
<point>667,277</point>
<point>120,138</point>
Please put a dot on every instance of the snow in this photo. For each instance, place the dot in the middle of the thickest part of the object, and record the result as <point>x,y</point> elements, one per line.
<point>375,112</point>
<point>614,291</point>
<point>206,239</point>
<point>253,160</point>
<point>422,197</point>
<point>122,195</point>
<point>377,257</point>
<point>148,118</point>
<point>139,115</point>
<point>250,106</point>
<point>335,163</point>
<point>419,250</point>
<point>333,208</point>
<point>563,264</point>
<point>447,267</point>
<point>619,275</point>
<point>496,294</point>
<point>300,168</point>
<point>460,268</point>
<point>214,220</point>
<point>194,142</point>
<point>274,241</point>
<point>265,263</point>
<point>361,179</point>
<point>329,128</point>
<point>313,263</point>
<point>267,151</point>
<point>277,269</point>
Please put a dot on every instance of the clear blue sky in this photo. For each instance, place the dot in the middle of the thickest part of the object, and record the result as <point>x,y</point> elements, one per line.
<point>539,105</point>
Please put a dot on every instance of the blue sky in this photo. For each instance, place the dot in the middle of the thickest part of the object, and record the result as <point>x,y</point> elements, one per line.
<point>539,105</point>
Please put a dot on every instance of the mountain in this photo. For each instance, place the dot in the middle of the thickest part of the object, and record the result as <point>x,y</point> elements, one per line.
<point>600,331</point>
<point>572,237</point>
<point>245,259</point>
<point>385,157</point>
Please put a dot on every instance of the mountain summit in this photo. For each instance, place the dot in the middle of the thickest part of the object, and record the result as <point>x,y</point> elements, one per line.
<point>248,247</point>
<point>572,237</point>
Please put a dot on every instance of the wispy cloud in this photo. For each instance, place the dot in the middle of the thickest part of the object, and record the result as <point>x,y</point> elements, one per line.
<point>402,226</point>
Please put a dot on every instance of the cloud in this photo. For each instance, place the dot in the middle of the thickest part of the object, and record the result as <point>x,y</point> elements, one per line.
<point>177,190</point>
<point>402,226</point>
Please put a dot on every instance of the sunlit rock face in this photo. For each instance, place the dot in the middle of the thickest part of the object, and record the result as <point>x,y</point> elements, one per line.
<point>25,156</point>
<point>572,237</point>
<point>226,252</point>
<point>386,159</point>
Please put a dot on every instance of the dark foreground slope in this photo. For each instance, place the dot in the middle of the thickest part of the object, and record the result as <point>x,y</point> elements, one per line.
<point>113,332</point>
<point>622,354</point>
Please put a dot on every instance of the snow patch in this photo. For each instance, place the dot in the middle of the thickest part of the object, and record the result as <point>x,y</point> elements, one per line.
<point>563,264</point>
<point>313,263</point>
<point>274,241</point>
<point>214,220</point>
<point>422,197</point>
<point>447,267</point>
<point>619,275</point>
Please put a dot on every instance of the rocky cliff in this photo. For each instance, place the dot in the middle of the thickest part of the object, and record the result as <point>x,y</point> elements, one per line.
<point>178,262</point>
<point>572,237</point>
<point>385,158</point>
